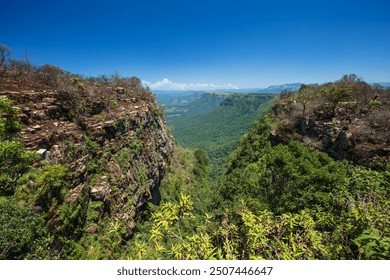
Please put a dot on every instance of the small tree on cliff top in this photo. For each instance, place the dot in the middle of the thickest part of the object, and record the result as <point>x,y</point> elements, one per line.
<point>4,52</point>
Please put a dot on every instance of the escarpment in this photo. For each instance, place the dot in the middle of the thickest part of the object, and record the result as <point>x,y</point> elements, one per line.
<point>111,138</point>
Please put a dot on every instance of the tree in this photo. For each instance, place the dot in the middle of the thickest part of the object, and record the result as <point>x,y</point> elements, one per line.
<point>9,124</point>
<point>336,95</point>
<point>49,74</point>
<point>201,163</point>
<point>305,95</point>
<point>4,52</point>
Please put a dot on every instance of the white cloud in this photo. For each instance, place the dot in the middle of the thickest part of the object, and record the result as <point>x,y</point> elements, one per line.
<point>166,84</point>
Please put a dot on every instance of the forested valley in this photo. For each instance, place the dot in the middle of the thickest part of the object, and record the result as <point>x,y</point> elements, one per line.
<point>90,170</point>
<point>290,190</point>
<point>215,122</point>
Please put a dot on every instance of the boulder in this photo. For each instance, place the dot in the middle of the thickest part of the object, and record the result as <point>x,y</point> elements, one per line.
<point>100,190</point>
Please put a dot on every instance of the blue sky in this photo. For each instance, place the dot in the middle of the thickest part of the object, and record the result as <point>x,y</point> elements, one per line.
<point>195,44</point>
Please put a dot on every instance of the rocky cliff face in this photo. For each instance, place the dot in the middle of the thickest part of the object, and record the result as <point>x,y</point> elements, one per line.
<point>113,142</point>
<point>360,141</point>
<point>356,128</point>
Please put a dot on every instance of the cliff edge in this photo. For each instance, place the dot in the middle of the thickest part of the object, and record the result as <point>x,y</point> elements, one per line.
<point>110,136</point>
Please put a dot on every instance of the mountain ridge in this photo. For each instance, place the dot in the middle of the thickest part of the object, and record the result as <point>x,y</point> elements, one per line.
<point>276,89</point>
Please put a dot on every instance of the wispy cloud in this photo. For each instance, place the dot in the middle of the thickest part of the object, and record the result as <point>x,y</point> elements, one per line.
<point>167,84</point>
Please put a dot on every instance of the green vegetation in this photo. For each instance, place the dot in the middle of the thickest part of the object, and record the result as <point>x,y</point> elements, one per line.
<point>275,202</point>
<point>9,124</point>
<point>19,229</point>
<point>272,200</point>
<point>15,163</point>
<point>218,131</point>
<point>280,201</point>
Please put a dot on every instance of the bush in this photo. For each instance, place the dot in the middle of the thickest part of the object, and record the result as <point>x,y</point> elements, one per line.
<point>19,229</point>
<point>9,124</point>
<point>50,183</point>
<point>15,161</point>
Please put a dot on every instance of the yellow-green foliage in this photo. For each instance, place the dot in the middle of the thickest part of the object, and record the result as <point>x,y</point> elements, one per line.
<point>262,236</point>
<point>77,82</point>
<point>166,238</point>
<point>287,237</point>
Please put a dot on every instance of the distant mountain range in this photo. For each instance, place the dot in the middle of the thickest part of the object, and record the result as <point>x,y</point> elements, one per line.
<point>383,84</point>
<point>166,96</point>
<point>177,98</point>
<point>271,89</point>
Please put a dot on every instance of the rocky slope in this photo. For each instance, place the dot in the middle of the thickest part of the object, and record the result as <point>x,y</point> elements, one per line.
<point>112,139</point>
<point>348,119</point>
